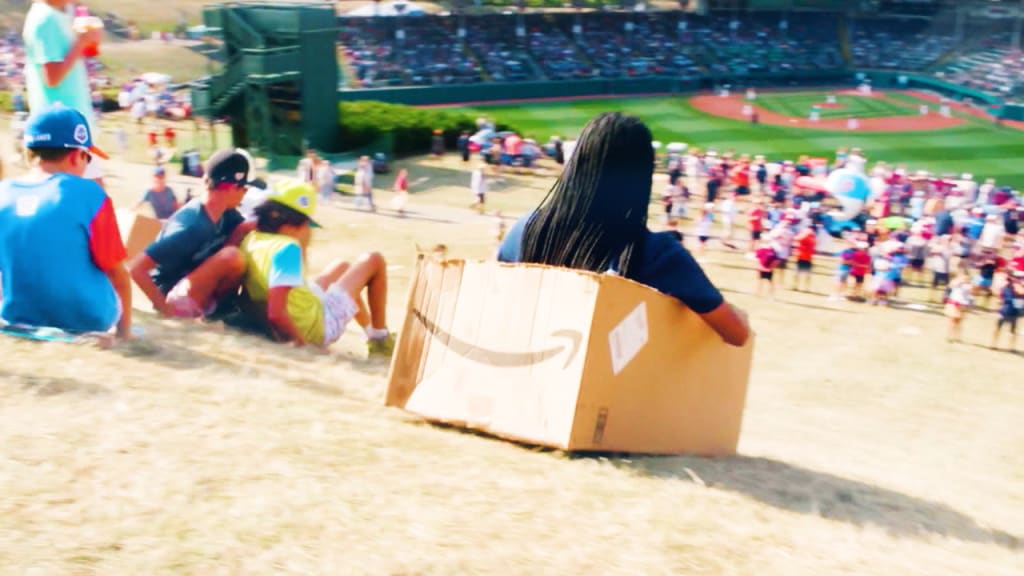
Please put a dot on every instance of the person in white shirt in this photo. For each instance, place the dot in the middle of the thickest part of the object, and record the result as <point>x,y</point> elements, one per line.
<point>984,190</point>
<point>478,186</point>
<point>728,210</point>
<point>993,233</point>
<point>306,170</point>
<point>325,180</point>
<point>363,184</point>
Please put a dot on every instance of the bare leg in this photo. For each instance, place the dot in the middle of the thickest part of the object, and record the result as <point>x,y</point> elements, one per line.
<point>369,272</point>
<point>220,275</point>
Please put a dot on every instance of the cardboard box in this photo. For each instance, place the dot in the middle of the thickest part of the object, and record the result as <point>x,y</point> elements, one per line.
<point>137,230</point>
<point>566,359</point>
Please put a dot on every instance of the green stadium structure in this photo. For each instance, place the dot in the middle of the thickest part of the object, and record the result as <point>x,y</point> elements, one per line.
<point>278,79</point>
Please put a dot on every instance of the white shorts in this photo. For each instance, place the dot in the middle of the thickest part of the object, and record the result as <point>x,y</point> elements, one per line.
<point>339,310</point>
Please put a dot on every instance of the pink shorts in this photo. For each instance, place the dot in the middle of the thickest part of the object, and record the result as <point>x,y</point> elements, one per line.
<point>339,310</point>
<point>184,306</point>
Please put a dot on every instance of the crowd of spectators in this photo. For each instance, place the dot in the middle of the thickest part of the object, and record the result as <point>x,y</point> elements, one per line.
<point>759,45</point>
<point>430,49</point>
<point>992,69</point>
<point>419,52</point>
<point>898,45</point>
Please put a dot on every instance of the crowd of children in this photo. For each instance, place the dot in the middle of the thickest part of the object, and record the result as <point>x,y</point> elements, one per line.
<point>951,235</point>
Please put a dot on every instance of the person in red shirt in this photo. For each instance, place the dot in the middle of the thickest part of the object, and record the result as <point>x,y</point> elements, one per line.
<point>767,261</point>
<point>755,221</point>
<point>741,178</point>
<point>1017,262</point>
<point>860,266</point>
<point>806,242</point>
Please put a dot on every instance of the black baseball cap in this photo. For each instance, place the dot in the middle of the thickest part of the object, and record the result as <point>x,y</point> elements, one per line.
<point>228,166</point>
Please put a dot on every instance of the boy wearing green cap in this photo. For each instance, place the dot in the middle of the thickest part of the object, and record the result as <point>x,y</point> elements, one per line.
<point>310,312</point>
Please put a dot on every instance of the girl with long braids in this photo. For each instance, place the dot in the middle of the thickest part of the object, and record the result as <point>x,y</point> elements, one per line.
<point>595,219</point>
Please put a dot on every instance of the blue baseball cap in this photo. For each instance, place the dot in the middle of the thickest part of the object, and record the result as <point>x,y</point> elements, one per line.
<point>60,127</point>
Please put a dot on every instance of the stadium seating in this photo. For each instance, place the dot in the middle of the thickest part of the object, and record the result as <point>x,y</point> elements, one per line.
<point>759,45</point>
<point>427,55</point>
<point>897,45</point>
<point>995,71</point>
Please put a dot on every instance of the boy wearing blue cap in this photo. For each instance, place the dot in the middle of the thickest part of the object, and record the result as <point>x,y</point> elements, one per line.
<point>61,254</point>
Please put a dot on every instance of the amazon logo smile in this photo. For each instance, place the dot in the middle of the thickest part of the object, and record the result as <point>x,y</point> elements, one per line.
<point>504,359</point>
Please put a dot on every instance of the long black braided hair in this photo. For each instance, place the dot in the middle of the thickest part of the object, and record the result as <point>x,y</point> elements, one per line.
<point>595,216</point>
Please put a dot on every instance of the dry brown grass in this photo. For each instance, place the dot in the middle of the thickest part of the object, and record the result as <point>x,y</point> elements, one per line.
<point>127,60</point>
<point>870,447</point>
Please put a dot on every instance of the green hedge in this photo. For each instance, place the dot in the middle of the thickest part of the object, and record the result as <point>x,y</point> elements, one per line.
<point>364,122</point>
<point>109,100</point>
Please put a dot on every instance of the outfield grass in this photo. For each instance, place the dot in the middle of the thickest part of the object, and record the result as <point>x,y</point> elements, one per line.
<point>799,105</point>
<point>977,147</point>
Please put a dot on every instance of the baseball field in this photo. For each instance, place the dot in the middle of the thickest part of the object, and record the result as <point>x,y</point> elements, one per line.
<point>891,129</point>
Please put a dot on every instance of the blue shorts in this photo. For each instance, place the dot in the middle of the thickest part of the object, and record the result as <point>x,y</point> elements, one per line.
<point>842,274</point>
<point>983,282</point>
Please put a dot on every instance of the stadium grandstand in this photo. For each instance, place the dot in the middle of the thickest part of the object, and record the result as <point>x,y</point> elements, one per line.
<point>974,44</point>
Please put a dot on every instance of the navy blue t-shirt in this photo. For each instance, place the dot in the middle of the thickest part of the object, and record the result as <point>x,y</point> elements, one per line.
<point>943,223</point>
<point>666,267</point>
<point>187,239</point>
<point>1010,302</point>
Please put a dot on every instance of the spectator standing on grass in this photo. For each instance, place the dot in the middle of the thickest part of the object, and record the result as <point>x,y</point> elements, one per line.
<point>940,262</point>
<point>478,186</point>
<point>437,143</point>
<point>755,222</point>
<point>363,184</point>
<point>860,268</point>
<point>595,219</point>
<point>55,69</point>
<point>1010,309</point>
<point>957,303</point>
<point>463,146</point>
<point>767,261</point>
<point>325,180</point>
<point>806,241</point>
<point>401,188</point>
<point>714,184</point>
<point>306,169</point>
<point>61,253</point>
<point>160,197</point>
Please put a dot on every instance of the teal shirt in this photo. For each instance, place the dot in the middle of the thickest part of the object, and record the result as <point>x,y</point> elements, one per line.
<point>48,38</point>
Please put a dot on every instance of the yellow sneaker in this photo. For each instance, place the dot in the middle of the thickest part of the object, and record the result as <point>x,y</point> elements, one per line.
<point>381,346</point>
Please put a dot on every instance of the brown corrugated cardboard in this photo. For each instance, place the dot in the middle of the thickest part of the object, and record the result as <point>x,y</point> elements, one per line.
<point>137,230</point>
<point>566,359</point>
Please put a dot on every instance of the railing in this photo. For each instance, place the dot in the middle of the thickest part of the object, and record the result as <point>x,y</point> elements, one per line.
<point>230,75</point>
<point>246,35</point>
<point>271,61</point>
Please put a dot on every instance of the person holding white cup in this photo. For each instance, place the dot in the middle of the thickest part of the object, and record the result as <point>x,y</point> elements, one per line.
<point>56,47</point>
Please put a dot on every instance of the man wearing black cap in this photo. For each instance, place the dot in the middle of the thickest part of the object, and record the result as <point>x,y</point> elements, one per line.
<point>195,260</point>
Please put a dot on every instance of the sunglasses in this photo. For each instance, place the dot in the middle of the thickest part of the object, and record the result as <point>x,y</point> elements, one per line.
<point>88,156</point>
